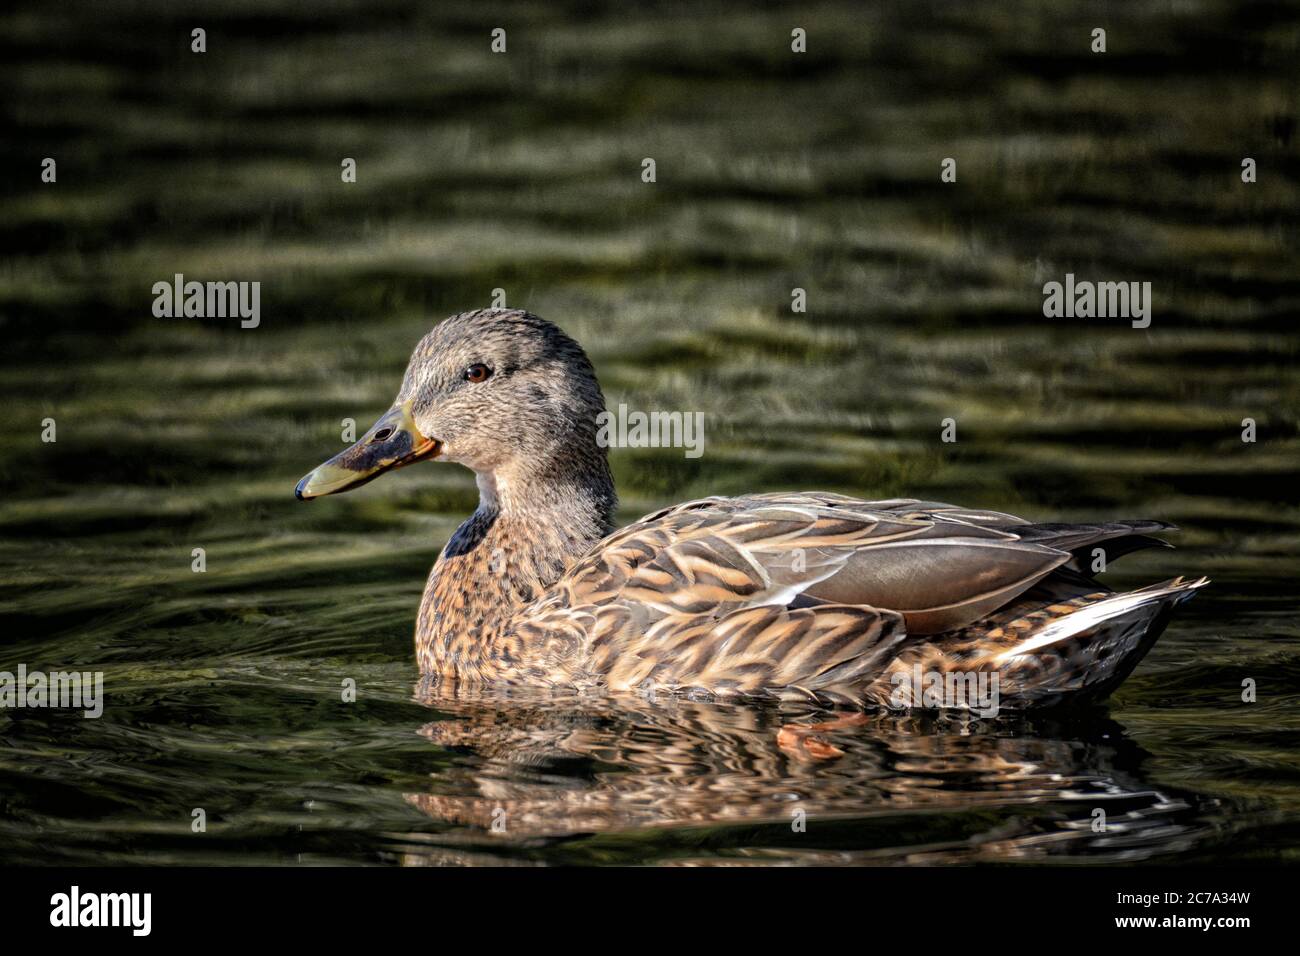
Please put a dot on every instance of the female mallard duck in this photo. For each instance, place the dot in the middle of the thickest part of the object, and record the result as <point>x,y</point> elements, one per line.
<point>808,596</point>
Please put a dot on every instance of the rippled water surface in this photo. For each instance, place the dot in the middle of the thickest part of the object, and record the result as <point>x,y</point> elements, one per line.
<point>521,172</point>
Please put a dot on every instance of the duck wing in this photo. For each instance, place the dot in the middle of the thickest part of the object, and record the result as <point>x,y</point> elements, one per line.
<point>967,562</point>
<point>940,566</point>
<point>735,595</point>
<point>788,594</point>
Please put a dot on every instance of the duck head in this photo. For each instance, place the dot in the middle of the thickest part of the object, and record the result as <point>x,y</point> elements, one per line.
<point>503,392</point>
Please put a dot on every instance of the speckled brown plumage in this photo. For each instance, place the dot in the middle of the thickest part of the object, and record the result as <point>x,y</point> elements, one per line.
<point>806,596</point>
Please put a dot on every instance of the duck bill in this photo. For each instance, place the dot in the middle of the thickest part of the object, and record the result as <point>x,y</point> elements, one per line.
<point>391,442</point>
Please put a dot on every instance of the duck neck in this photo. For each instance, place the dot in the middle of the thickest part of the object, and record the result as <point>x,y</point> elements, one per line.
<point>524,535</point>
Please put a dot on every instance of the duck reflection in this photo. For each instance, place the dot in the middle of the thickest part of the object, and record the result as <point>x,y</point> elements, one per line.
<point>530,769</point>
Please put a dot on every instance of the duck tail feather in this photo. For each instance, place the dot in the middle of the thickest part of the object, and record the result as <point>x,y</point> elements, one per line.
<point>1087,646</point>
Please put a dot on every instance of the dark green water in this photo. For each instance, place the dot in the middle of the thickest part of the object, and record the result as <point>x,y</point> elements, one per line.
<point>522,172</point>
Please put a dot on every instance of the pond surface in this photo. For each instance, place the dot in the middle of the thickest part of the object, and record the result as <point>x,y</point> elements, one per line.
<point>522,172</point>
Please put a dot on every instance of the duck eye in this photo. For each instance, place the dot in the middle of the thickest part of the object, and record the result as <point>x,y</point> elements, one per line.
<point>478,372</point>
<point>382,434</point>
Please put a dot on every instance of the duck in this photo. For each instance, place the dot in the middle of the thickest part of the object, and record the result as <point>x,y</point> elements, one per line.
<point>808,596</point>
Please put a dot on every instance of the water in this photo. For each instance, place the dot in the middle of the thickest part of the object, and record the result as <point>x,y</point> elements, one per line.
<point>522,172</point>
